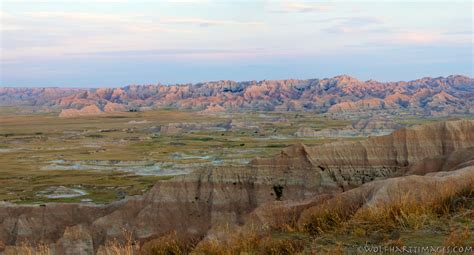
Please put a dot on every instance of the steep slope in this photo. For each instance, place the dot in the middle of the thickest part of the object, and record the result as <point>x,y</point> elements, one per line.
<point>353,163</point>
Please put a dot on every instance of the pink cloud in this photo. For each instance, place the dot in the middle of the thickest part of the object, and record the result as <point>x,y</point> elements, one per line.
<point>417,37</point>
<point>300,7</point>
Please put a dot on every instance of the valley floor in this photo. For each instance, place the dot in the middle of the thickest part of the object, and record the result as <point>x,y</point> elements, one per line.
<point>111,156</point>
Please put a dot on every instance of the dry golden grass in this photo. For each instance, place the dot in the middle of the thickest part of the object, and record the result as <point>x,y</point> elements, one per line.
<point>248,242</point>
<point>394,223</point>
<point>26,248</point>
<point>211,247</point>
<point>410,213</point>
<point>116,247</point>
<point>252,243</point>
<point>330,215</point>
<point>269,245</point>
<point>171,243</point>
<point>285,220</point>
<point>405,213</point>
<point>126,246</point>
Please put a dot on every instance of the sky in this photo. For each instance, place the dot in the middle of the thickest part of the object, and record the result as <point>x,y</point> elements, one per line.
<point>114,43</point>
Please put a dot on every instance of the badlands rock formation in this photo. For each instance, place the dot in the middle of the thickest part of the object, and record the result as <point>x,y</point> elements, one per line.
<point>86,111</point>
<point>361,105</point>
<point>195,203</point>
<point>213,108</point>
<point>34,96</point>
<point>338,95</point>
<point>92,110</point>
<point>114,107</point>
<point>348,164</point>
<point>374,126</point>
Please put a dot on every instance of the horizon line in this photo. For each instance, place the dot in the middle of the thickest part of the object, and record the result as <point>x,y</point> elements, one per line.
<point>236,81</point>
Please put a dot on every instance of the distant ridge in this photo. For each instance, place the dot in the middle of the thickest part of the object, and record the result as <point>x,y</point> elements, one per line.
<point>338,95</point>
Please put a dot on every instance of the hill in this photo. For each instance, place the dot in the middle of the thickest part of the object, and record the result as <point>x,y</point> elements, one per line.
<point>338,95</point>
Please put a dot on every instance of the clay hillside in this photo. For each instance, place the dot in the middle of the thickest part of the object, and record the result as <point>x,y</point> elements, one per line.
<point>347,177</point>
<point>338,95</point>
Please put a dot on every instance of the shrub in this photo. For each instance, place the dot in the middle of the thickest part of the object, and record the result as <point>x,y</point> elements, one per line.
<point>455,200</point>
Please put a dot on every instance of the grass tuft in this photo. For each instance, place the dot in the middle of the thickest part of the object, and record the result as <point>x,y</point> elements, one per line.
<point>26,248</point>
<point>171,243</point>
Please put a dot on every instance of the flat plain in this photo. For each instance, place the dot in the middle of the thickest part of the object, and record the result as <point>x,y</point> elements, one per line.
<point>110,156</point>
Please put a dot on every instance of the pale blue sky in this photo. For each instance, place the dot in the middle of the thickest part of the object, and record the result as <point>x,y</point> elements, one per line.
<point>97,43</point>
